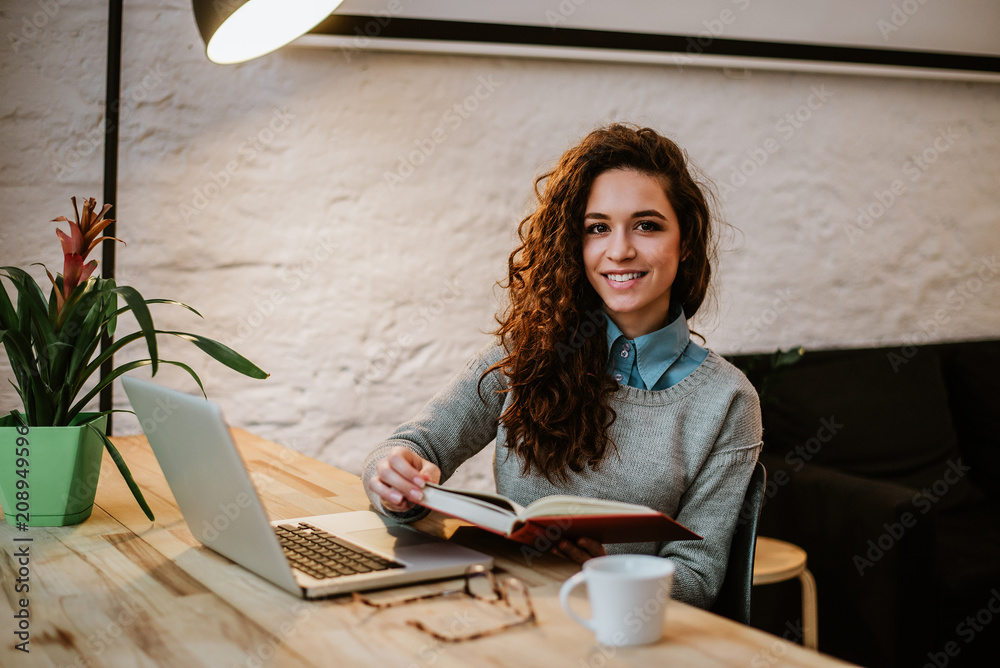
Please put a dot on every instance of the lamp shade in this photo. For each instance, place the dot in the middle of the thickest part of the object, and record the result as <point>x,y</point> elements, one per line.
<point>238,30</point>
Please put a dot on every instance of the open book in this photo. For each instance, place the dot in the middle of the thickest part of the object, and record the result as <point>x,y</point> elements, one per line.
<point>556,517</point>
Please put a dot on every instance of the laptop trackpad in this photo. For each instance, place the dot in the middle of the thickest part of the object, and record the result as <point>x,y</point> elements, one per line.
<point>389,539</point>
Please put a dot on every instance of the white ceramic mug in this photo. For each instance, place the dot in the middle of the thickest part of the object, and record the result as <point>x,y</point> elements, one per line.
<point>628,595</point>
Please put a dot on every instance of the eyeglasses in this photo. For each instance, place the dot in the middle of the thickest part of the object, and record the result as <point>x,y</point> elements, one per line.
<point>481,585</point>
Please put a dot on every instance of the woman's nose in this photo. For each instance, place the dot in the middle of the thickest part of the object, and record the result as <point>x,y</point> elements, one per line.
<point>621,246</point>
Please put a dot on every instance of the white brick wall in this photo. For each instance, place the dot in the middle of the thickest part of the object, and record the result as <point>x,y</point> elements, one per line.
<point>259,194</point>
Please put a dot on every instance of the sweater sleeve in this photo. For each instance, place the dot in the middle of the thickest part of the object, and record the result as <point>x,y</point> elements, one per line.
<point>459,421</point>
<point>711,504</point>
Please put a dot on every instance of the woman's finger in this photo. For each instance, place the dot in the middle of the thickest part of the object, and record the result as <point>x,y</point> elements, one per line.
<point>571,551</point>
<point>430,472</point>
<point>591,546</point>
<point>403,461</point>
<point>391,498</point>
<point>406,487</point>
<point>397,472</point>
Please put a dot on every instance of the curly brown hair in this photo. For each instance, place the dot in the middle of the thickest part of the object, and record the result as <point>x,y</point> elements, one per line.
<point>553,329</point>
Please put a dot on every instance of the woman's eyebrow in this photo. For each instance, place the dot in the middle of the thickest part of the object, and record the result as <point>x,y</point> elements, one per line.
<point>649,213</point>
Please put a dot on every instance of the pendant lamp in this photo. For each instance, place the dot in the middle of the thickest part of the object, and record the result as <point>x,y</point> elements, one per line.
<point>238,30</point>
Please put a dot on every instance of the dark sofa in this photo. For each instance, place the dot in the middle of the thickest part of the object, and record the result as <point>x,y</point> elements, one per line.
<point>884,465</point>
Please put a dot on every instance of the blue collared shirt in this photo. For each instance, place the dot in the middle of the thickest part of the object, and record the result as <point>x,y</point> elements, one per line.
<point>657,360</point>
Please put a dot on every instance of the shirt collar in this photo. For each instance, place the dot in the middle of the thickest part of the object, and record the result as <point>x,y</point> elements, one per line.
<point>656,351</point>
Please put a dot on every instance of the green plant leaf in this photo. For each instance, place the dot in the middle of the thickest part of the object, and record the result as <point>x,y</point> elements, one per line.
<point>162,301</point>
<point>31,305</point>
<point>84,418</point>
<point>78,337</point>
<point>18,352</point>
<point>8,316</point>
<point>224,354</point>
<point>110,312</point>
<point>121,370</point>
<point>22,362</point>
<point>142,316</point>
<point>216,350</point>
<point>105,355</point>
<point>123,469</point>
<point>87,335</point>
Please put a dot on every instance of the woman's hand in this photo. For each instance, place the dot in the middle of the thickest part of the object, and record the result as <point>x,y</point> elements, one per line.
<point>400,477</point>
<point>579,551</point>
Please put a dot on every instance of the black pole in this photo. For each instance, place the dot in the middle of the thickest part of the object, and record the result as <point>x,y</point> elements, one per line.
<point>112,101</point>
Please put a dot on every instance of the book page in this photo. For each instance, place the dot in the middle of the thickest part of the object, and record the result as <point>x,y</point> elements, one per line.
<point>486,497</point>
<point>561,504</point>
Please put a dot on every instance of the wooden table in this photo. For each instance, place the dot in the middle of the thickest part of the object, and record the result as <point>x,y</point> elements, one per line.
<point>118,590</point>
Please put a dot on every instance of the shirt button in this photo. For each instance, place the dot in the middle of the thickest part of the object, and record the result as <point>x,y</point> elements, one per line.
<point>624,353</point>
<point>618,377</point>
<point>627,346</point>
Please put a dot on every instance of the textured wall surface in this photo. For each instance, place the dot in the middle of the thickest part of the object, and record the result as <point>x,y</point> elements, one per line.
<point>341,217</point>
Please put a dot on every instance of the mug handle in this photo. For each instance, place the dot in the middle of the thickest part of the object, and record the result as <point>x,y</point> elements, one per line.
<point>564,593</point>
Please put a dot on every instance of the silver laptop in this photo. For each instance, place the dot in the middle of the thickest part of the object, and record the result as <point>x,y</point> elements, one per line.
<point>311,557</point>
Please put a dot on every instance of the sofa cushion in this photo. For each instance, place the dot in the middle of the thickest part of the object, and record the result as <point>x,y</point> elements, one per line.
<point>879,413</point>
<point>972,374</point>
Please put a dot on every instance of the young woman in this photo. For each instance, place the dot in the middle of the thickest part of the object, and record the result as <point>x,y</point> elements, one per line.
<point>593,386</point>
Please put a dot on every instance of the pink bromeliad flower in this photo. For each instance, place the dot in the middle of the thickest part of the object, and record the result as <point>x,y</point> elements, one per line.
<point>84,237</point>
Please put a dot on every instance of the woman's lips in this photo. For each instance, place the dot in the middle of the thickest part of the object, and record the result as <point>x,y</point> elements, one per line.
<point>623,280</point>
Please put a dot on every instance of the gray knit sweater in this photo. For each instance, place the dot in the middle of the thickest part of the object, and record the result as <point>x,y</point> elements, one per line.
<point>687,451</point>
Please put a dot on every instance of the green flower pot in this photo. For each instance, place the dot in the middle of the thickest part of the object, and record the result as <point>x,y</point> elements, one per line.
<point>48,475</point>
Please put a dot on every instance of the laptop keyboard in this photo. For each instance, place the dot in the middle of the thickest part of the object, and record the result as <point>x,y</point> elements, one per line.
<point>322,555</point>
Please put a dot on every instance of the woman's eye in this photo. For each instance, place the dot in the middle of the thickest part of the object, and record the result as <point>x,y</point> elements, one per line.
<point>597,228</point>
<point>648,226</point>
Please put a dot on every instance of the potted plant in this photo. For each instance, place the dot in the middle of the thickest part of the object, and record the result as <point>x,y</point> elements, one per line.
<point>50,451</point>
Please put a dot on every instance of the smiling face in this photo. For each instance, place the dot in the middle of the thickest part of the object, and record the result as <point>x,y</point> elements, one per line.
<point>631,249</point>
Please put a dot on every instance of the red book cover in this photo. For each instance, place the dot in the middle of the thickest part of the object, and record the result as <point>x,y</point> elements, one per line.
<point>555,517</point>
<point>603,528</point>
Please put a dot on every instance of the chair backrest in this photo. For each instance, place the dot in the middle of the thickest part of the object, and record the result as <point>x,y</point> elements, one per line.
<point>734,597</point>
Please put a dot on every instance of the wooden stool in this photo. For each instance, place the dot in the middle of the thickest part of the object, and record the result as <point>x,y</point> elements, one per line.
<point>777,561</point>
